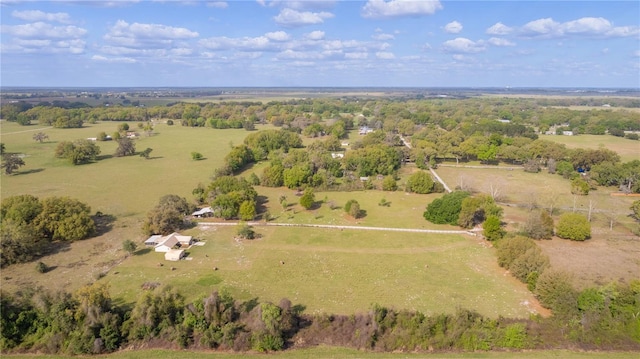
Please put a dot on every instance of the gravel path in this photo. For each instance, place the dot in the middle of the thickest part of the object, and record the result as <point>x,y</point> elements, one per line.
<point>389,229</point>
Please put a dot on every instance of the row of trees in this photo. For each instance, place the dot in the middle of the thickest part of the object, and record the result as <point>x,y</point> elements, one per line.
<point>89,322</point>
<point>30,224</point>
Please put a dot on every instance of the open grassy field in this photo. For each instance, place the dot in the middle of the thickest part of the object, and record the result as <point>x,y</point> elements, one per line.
<point>629,150</point>
<point>117,186</point>
<point>342,353</point>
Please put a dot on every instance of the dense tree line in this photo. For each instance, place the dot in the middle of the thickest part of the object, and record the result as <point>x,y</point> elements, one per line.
<point>88,322</point>
<point>29,224</point>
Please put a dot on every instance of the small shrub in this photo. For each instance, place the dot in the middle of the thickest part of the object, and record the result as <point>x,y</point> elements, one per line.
<point>573,226</point>
<point>41,267</point>
<point>196,156</point>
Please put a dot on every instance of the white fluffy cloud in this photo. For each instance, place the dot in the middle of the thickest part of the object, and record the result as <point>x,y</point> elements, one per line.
<point>380,9</point>
<point>593,26</point>
<point>293,18</point>
<point>463,45</point>
<point>150,31</point>
<point>43,30</point>
<point>499,29</point>
<point>496,41</point>
<point>277,36</point>
<point>101,58</point>
<point>37,15</point>
<point>315,35</point>
<point>453,27</point>
<point>260,43</point>
<point>385,55</point>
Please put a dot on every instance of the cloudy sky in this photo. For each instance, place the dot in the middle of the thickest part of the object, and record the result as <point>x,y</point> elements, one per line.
<point>399,43</point>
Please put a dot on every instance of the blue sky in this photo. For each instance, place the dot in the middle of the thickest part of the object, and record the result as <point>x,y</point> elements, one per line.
<point>395,43</point>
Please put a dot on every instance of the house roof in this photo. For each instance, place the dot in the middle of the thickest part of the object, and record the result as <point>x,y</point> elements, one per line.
<point>202,211</point>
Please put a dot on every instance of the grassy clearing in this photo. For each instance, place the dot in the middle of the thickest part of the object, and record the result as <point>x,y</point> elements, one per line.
<point>337,271</point>
<point>333,352</point>
<point>629,150</point>
<point>118,186</point>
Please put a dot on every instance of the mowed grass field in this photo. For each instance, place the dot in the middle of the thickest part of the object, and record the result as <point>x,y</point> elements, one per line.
<point>629,150</point>
<point>326,270</point>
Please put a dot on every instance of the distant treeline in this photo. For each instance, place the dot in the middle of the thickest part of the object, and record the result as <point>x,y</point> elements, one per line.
<point>446,113</point>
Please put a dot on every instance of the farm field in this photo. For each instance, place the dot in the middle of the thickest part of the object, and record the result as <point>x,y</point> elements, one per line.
<point>610,255</point>
<point>118,186</point>
<point>337,271</point>
<point>629,150</point>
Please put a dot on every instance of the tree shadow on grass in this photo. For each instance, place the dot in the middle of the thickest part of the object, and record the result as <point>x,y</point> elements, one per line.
<point>260,204</point>
<point>104,223</point>
<point>141,252</point>
<point>35,170</point>
<point>103,157</point>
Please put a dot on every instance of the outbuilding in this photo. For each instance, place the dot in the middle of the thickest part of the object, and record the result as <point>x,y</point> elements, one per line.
<point>174,255</point>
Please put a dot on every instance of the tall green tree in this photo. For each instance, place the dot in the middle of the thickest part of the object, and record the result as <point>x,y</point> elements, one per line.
<point>11,162</point>
<point>65,219</point>
<point>420,182</point>
<point>126,147</point>
<point>446,209</point>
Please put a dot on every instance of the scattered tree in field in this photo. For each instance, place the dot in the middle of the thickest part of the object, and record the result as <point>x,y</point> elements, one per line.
<point>2,148</point>
<point>146,153</point>
<point>352,207</point>
<point>446,210</point>
<point>123,127</point>
<point>40,137</point>
<point>283,202</point>
<point>539,225</point>
<point>384,203</point>
<point>129,246</point>
<point>245,231</point>
<point>492,229</point>
<point>573,226</point>
<point>308,198</point>
<point>126,147</point>
<point>102,136</point>
<point>272,176</point>
<point>78,152</point>
<point>420,182</point>
<point>196,156</point>
<point>11,162</point>
<point>170,122</point>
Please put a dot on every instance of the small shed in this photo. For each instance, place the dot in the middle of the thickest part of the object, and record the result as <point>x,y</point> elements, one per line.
<point>174,255</point>
<point>204,212</point>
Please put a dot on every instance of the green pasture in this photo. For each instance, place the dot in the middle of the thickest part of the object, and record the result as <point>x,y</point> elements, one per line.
<point>117,186</point>
<point>629,150</point>
<point>335,271</point>
<point>344,353</point>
